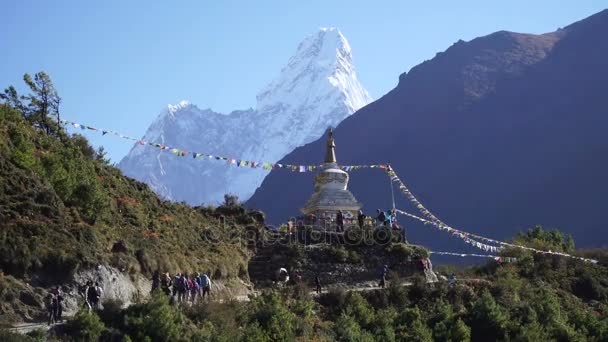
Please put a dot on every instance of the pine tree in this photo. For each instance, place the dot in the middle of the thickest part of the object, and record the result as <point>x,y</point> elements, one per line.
<point>43,102</point>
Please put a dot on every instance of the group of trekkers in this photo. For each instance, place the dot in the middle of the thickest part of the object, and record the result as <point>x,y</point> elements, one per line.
<point>91,292</point>
<point>387,218</point>
<point>383,218</point>
<point>182,288</point>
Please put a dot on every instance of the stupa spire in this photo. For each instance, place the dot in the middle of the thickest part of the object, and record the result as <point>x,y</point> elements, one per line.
<point>330,155</point>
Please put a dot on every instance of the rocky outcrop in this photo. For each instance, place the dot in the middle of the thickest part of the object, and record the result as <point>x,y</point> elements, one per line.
<point>116,285</point>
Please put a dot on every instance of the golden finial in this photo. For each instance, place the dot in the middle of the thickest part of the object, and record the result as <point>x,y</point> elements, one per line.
<point>330,156</point>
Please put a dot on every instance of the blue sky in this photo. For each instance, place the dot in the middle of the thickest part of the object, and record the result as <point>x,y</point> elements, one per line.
<point>118,63</point>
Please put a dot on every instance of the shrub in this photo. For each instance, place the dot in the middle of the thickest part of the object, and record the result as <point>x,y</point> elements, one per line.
<point>347,329</point>
<point>156,320</point>
<point>269,311</point>
<point>402,251</point>
<point>86,326</point>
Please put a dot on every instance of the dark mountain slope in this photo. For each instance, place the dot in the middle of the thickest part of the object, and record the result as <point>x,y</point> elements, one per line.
<point>494,135</point>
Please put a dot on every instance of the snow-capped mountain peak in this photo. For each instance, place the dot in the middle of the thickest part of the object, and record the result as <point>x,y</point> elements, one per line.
<point>324,56</point>
<point>317,88</point>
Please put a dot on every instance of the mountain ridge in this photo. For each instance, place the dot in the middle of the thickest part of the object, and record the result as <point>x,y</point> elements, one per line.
<point>463,135</point>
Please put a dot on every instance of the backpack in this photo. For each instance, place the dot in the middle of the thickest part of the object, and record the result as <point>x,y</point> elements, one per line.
<point>195,286</point>
<point>204,280</point>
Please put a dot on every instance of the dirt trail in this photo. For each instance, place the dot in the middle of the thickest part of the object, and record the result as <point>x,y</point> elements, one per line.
<point>24,328</point>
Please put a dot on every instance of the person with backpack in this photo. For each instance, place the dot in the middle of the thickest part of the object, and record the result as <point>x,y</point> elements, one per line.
<point>199,280</point>
<point>194,290</point>
<point>176,285</point>
<point>183,288</point>
<point>165,284</point>
<point>206,285</point>
<point>50,302</point>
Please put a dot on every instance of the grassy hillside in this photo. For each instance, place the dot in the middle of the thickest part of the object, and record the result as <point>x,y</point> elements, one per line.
<point>63,208</point>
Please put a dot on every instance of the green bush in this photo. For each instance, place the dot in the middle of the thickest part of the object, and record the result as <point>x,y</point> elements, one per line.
<point>85,326</point>
<point>401,251</point>
<point>347,329</point>
<point>269,311</point>
<point>155,320</point>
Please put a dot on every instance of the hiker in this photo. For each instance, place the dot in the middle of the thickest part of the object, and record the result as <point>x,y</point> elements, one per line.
<point>361,219</point>
<point>182,288</point>
<point>50,307</point>
<point>197,280</point>
<point>383,275</point>
<point>206,285</point>
<point>89,291</point>
<point>389,219</point>
<point>59,304</point>
<point>93,294</point>
<point>176,285</point>
<point>155,281</point>
<point>195,288</point>
<point>381,217</point>
<point>98,291</point>
<point>318,283</point>
<point>165,284</point>
<point>340,220</point>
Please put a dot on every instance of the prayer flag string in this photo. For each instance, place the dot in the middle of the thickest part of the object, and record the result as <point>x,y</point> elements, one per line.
<point>470,238</point>
<point>497,258</point>
<point>268,166</point>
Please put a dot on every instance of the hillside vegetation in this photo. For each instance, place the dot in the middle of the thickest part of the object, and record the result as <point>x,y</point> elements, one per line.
<point>64,208</point>
<point>539,298</point>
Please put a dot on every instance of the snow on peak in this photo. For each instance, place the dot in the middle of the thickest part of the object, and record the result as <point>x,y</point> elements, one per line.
<point>322,63</point>
<point>316,89</point>
<point>172,109</point>
<point>325,44</point>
